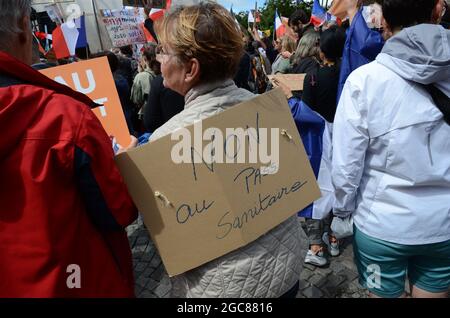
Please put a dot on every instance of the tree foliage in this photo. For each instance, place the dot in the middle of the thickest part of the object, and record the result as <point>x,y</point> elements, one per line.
<point>267,12</point>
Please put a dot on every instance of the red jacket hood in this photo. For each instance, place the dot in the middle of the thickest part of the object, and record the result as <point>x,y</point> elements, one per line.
<point>24,100</point>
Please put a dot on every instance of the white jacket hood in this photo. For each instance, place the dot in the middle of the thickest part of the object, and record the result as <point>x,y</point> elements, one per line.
<point>420,54</point>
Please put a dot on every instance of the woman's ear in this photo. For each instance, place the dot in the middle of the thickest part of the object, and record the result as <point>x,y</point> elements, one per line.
<point>24,44</point>
<point>193,72</point>
<point>25,29</point>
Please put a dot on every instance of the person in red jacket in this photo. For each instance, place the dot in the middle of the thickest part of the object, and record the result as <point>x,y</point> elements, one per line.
<point>63,204</point>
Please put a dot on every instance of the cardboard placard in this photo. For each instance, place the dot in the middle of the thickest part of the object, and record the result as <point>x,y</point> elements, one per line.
<point>123,26</point>
<point>94,79</point>
<point>293,81</point>
<point>198,212</point>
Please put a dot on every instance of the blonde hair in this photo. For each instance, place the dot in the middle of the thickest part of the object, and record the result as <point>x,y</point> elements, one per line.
<point>207,32</point>
<point>287,44</point>
<point>308,46</point>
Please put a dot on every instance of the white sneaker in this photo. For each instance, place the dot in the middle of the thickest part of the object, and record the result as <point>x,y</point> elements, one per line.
<point>317,259</point>
<point>333,248</point>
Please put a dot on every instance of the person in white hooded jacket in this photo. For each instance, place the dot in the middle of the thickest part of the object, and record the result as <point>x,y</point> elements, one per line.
<point>391,156</point>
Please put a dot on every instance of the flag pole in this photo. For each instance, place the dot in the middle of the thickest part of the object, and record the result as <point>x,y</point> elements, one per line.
<point>47,43</point>
<point>87,42</point>
<point>255,16</point>
<point>274,26</point>
<point>96,23</point>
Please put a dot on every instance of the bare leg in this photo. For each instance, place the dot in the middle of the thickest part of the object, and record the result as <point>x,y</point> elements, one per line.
<point>420,293</point>
<point>332,238</point>
<point>315,248</point>
<point>371,295</point>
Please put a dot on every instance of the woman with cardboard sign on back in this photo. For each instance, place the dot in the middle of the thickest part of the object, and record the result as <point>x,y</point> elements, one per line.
<point>200,51</point>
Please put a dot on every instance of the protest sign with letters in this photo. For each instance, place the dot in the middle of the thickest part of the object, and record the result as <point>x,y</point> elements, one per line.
<point>123,26</point>
<point>94,79</point>
<point>200,209</point>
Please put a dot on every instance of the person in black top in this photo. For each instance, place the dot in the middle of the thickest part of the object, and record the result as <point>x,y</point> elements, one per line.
<point>320,87</point>
<point>271,52</point>
<point>305,60</point>
<point>319,93</point>
<point>162,104</point>
<point>306,57</point>
<point>242,76</point>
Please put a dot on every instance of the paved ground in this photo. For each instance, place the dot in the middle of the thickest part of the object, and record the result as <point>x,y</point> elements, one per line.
<point>336,280</point>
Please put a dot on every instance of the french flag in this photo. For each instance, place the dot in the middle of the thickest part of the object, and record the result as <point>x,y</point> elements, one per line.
<point>316,132</point>
<point>251,18</point>
<point>81,26</point>
<point>65,38</point>
<point>280,28</point>
<point>156,14</point>
<point>148,36</point>
<point>43,36</point>
<point>318,15</point>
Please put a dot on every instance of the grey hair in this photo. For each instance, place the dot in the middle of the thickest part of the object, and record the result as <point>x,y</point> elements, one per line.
<point>307,46</point>
<point>11,12</point>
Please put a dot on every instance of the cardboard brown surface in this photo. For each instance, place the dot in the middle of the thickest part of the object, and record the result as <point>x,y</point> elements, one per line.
<point>293,81</point>
<point>227,212</point>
